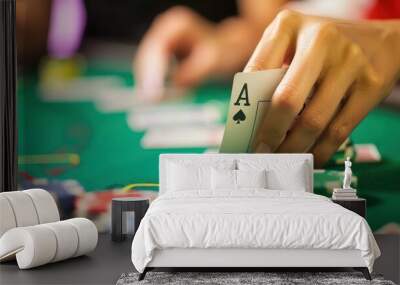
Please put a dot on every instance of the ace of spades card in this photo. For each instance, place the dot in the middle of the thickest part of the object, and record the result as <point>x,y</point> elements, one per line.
<point>250,99</point>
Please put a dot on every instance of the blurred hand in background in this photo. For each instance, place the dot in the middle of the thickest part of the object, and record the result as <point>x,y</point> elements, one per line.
<point>32,22</point>
<point>202,49</point>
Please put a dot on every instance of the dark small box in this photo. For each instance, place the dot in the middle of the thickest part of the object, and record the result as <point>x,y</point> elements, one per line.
<point>358,205</point>
<point>126,214</point>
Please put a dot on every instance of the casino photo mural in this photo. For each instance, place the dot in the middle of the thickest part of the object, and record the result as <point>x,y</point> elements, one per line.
<point>132,128</point>
<point>87,113</point>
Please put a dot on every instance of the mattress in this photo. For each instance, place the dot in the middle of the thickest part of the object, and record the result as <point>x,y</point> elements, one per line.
<point>251,219</point>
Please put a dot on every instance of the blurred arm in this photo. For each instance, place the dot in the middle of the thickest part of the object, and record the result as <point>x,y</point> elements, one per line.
<point>32,21</point>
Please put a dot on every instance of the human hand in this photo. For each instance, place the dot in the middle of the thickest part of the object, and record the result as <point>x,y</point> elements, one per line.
<point>339,71</point>
<point>203,49</point>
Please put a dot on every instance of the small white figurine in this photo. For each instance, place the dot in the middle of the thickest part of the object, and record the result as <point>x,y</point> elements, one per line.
<point>347,174</point>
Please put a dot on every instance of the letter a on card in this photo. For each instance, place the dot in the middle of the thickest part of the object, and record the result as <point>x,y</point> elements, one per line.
<point>250,99</point>
<point>244,95</point>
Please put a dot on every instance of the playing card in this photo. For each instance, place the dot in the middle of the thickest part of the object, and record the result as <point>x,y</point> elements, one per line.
<point>250,99</point>
<point>127,98</point>
<point>170,115</point>
<point>78,89</point>
<point>116,99</point>
<point>183,137</point>
<point>367,153</point>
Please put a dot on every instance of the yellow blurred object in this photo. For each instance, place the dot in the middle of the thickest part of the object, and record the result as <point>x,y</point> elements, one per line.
<point>135,185</point>
<point>54,71</point>
<point>51,158</point>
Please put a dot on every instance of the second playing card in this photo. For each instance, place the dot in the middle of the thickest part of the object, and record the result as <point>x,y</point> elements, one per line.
<point>250,99</point>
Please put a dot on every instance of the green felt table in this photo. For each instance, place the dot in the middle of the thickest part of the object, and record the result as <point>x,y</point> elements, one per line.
<point>110,152</point>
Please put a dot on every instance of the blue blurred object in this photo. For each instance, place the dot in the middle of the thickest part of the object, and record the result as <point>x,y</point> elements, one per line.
<point>65,192</point>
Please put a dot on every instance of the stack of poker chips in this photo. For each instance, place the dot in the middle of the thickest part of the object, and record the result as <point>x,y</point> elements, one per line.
<point>344,194</point>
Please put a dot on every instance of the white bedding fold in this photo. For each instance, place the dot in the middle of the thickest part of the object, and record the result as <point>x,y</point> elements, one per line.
<point>250,219</point>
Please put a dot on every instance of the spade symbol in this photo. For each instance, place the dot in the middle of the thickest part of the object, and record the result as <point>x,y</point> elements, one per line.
<point>239,116</point>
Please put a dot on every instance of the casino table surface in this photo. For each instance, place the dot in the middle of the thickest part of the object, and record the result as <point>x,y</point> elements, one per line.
<point>111,154</point>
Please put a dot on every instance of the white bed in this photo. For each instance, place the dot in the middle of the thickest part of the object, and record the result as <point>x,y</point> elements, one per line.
<point>248,227</point>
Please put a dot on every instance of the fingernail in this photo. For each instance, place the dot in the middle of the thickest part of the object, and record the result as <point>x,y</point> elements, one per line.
<point>263,148</point>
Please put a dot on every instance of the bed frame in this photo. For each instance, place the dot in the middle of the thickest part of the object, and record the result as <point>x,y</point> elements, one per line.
<point>246,258</point>
<point>243,259</point>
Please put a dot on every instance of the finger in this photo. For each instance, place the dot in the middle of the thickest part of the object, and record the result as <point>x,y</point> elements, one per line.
<point>170,33</point>
<point>320,110</point>
<point>365,97</point>
<point>213,55</point>
<point>150,69</point>
<point>274,44</point>
<point>197,66</point>
<point>293,90</point>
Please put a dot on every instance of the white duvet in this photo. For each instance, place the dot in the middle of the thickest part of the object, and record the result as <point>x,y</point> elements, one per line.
<point>250,219</point>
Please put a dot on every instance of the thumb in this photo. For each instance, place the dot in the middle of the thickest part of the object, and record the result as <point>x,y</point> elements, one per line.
<point>197,66</point>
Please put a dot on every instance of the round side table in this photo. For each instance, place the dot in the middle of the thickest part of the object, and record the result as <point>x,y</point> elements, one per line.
<point>126,214</point>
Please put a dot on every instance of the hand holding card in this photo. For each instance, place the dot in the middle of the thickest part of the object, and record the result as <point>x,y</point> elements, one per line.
<point>338,72</point>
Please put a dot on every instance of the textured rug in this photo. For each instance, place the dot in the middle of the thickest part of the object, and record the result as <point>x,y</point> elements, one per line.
<point>243,278</point>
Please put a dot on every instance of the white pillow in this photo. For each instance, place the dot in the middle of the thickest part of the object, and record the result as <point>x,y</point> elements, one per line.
<point>185,175</point>
<point>236,179</point>
<point>223,179</point>
<point>183,178</point>
<point>251,178</point>
<point>281,174</point>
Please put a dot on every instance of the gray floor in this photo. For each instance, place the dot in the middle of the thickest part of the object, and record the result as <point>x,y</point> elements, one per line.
<point>110,260</point>
<point>389,262</point>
